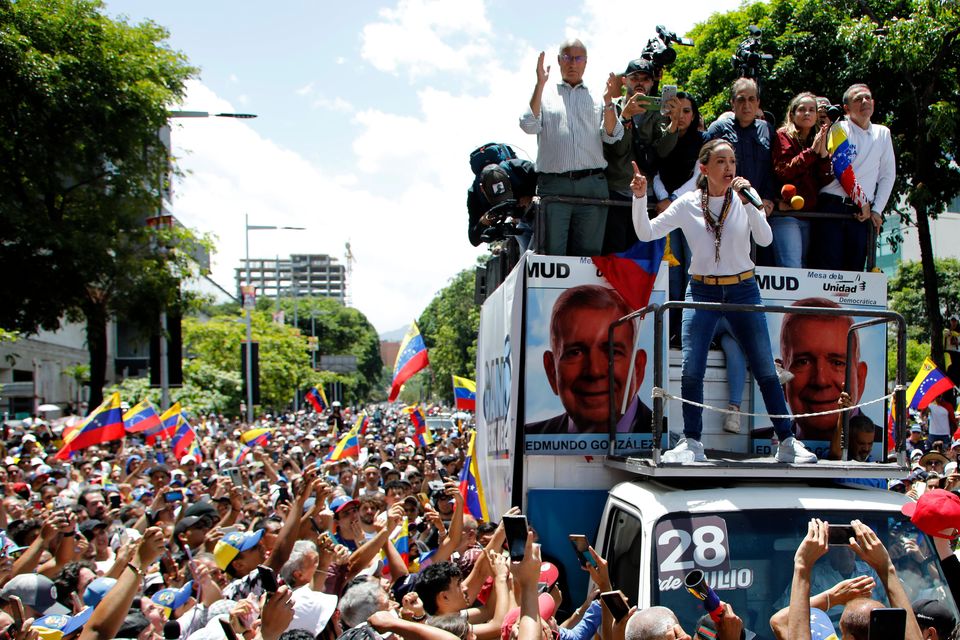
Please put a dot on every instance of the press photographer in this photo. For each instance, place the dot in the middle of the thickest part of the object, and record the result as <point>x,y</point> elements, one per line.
<point>500,196</point>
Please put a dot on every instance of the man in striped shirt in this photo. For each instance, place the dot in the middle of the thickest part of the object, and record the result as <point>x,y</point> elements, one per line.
<point>571,128</point>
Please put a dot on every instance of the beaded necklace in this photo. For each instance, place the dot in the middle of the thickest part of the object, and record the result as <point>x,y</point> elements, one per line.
<point>715,224</point>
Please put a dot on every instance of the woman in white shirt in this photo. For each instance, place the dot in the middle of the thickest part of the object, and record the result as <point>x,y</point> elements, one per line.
<point>717,225</point>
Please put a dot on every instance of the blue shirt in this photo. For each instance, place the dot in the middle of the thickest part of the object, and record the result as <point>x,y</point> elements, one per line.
<point>587,627</point>
<point>752,147</point>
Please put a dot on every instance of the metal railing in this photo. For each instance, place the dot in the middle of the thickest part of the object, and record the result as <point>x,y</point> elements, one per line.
<point>542,205</point>
<point>879,317</point>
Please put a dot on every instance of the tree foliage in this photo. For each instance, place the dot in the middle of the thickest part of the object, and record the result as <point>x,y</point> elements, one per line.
<point>449,327</point>
<point>82,98</point>
<point>906,295</point>
<point>905,50</point>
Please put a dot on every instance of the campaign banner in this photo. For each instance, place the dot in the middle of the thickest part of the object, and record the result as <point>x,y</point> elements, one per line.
<point>568,310</point>
<point>812,351</point>
<point>498,364</point>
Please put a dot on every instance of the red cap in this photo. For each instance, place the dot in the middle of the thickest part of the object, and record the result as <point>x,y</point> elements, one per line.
<point>937,511</point>
<point>548,574</point>
<point>547,607</point>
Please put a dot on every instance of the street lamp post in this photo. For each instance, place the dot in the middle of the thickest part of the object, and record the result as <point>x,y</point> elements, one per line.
<point>249,348</point>
<point>163,346</point>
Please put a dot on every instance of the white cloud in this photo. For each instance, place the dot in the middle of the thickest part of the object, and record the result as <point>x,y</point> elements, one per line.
<point>333,104</point>
<point>340,60</point>
<point>305,90</point>
<point>233,78</point>
<point>422,37</point>
<point>400,199</point>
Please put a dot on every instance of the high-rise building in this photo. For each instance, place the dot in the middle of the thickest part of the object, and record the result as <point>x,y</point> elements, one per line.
<point>299,275</point>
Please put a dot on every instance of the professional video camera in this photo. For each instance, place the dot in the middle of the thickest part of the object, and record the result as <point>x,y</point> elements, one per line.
<point>748,60</point>
<point>658,50</point>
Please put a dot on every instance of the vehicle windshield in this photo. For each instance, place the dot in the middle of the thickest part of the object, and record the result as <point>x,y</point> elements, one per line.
<point>747,558</point>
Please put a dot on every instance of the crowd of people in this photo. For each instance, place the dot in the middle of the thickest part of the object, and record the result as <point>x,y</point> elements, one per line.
<point>586,148</point>
<point>278,539</point>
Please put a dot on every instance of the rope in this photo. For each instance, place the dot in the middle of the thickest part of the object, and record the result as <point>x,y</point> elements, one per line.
<point>662,393</point>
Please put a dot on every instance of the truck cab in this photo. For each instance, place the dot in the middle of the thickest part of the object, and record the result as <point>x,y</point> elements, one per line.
<point>743,534</point>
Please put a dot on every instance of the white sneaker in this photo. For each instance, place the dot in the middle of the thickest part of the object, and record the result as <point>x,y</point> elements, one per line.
<point>731,423</point>
<point>687,450</point>
<point>792,450</point>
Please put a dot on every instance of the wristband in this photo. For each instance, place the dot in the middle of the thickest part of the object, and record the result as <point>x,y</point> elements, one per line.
<point>609,106</point>
<point>136,571</point>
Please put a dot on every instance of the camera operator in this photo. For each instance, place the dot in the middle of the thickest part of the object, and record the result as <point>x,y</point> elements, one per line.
<point>498,207</point>
<point>643,128</point>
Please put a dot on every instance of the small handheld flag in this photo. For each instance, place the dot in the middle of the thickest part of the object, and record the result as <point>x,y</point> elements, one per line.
<point>633,272</point>
<point>141,417</point>
<point>317,399</point>
<point>470,486</point>
<point>464,394</point>
<point>929,383</point>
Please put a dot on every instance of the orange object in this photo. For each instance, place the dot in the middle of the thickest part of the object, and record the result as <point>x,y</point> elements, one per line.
<point>788,191</point>
<point>797,202</point>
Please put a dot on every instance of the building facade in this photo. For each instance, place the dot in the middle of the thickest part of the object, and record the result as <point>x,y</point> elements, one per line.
<point>300,275</point>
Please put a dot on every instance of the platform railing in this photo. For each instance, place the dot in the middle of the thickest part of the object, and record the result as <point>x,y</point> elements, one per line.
<point>659,358</point>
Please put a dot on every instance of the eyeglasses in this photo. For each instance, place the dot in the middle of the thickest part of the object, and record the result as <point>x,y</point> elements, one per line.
<point>567,58</point>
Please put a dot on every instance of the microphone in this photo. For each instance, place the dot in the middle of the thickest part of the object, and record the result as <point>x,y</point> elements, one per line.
<point>752,197</point>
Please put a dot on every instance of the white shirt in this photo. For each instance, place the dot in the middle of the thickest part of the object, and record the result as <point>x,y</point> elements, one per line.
<point>939,420</point>
<point>873,163</point>
<point>570,133</point>
<point>684,213</point>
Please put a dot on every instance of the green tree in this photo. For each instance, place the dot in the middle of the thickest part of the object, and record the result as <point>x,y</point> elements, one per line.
<point>906,50</point>
<point>906,295</point>
<point>339,330</point>
<point>213,352</point>
<point>82,98</point>
<point>449,326</point>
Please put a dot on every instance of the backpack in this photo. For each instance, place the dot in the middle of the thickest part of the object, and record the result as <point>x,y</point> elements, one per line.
<point>490,153</point>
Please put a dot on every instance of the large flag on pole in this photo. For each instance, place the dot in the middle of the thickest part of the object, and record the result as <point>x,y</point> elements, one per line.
<point>184,440</point>
<point>411,358</point>
<point>464,393</point>
<point>141,417</point>
<point>470,486</point>
<point>105,424</point>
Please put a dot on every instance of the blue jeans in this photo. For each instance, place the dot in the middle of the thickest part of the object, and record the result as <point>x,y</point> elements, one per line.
<point>791,237</point>
<point>750,330</point>
<point>736,362</point>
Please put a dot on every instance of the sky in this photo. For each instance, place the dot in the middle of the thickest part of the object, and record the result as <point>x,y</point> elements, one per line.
<point>366,114</point>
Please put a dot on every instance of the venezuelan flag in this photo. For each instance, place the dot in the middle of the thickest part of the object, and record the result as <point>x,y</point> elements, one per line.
<point>349,444</point>
<point>317,399</point>
<point>169,421</point>
<point>928,384</point>
<point>421,434</point>
<point>402,541</point>
<point>184,440</point>
<point>141,417</point>
<point>105,424</point>
<point>841,159</point>
<point>250,435</point>
<point>633,272</point>
<point>411,358</point>
<point>464,394</point>
<point>470,486</point>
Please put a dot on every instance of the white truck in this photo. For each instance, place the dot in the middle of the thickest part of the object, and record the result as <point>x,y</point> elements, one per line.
<point>738,518</point>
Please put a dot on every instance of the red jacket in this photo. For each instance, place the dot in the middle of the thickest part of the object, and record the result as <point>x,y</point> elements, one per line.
<point>801,167</point>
